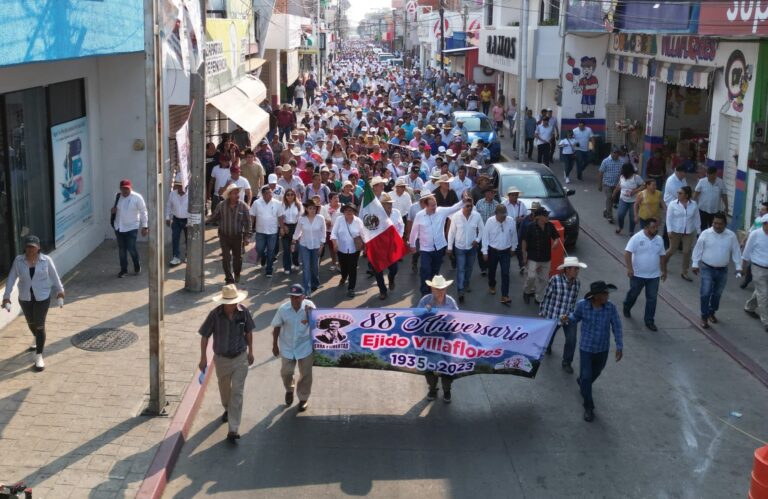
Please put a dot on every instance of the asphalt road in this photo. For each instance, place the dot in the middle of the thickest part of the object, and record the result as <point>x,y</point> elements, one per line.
<point>663,428</point>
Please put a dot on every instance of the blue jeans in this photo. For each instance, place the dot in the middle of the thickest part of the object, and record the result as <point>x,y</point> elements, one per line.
<point>126,243</point>
<point>636,284</point>
<point>625,207</point>
<point>265,246</point>
<point>568,163</point>
<point>429,266</point>
<point>569,330</point>
<point>310,259</point>
<point>590,367</point>
<point>712,285</point>
<point>284,131</point>
<point>178,225</point>
<point>499,257</point>
<point>582,160</point>
<point>465,261</point>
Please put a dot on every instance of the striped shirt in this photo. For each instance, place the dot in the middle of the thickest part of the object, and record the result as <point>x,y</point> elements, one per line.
<point>486,209</point>
<point>596,324</point>
<point>233,221</point>
<point>560,297</point>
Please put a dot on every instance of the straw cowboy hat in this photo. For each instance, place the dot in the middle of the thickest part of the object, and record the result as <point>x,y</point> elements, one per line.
<point>513,190</point>
<point>377,180</point>
<point>438,282</point>
<point>230,295</point>
<point>230,188</point>
<point>571,261</point>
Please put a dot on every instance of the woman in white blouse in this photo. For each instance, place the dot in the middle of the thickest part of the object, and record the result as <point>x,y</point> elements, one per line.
<point>331,212</point>
<point>288,216</point>
<point>36,275</point>
<point>310,237</point>
<point>683,225</point>
<point>347,236</point>
<point>627,188</point>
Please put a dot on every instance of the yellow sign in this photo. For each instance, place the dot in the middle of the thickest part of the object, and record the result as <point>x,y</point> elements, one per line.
<point>225,49</point>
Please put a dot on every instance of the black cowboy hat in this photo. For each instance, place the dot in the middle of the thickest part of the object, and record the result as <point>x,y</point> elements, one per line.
<point>323,324</point>
<point>598,287</point>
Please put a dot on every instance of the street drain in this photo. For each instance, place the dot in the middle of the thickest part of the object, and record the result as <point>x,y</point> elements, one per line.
<point>104,339</point>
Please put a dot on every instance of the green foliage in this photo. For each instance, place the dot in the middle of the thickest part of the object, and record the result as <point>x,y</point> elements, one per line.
<point>363,361</point>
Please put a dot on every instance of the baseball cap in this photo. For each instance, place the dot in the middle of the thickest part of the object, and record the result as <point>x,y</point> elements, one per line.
<point>125,183</point>
<point>296,290</point>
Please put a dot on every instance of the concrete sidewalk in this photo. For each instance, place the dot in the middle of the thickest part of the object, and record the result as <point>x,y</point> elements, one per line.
<point>74,430</point>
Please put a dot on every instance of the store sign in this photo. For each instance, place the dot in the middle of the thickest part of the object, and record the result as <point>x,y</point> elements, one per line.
<point>73,204</point>
<point>689,48</point>
<point>225,49</point>
<point>503,46</point>
<point>737,17</point>
<point>633,44</point>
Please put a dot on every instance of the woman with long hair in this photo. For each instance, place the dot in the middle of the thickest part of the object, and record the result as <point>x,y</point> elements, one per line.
<point>288,216</point>
<point>310,238</point>
<point>627,187</point>
<point>683,225</point>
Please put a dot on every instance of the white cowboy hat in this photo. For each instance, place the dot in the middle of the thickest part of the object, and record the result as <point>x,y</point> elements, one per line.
<point>296,151</point>
<point>513,189</point>
<point>230,295</point>
<point>377,180</point>
<point>230,188</point>
<point>571,261</point>
<point>434,176</point>
<point>400,182</point>
<point>444,179</point>
<point>385,198</point>
<point>425,195</point>
<point>439,282</point>
<point>474,164</point>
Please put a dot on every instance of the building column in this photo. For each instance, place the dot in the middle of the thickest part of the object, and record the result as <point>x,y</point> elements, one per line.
<point>654,120</point>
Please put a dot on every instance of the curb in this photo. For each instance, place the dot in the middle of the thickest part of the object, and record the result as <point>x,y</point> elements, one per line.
<point>165,458</point>
<point>710,333</point>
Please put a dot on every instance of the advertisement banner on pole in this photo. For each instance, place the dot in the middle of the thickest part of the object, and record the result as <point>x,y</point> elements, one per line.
<point>417,341</point>
<point>182,143</point>
<point>73,204</point>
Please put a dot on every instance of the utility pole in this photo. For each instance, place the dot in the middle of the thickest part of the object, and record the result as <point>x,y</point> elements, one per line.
<point>442,37</point>
<point>194,279</point>
<point>522,80</point>
<point>405,33</point>
<point>464,14</point>
<point>394,30</point>
<point>153,71</point>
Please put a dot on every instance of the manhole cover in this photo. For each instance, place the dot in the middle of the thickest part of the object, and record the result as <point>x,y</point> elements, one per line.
<point>104,339</point>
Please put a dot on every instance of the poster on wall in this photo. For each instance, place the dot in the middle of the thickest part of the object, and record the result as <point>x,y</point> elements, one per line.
<point>73,204</point>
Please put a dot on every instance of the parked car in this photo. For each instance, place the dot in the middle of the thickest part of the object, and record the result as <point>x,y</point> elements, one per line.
<point>538,183</point>
<point>480,127</point>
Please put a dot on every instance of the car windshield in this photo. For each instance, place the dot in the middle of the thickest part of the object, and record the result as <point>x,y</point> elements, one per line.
<point>477,124</point>
<point>533,186</point>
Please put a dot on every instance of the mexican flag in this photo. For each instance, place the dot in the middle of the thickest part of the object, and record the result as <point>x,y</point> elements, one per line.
<point>383,245</point>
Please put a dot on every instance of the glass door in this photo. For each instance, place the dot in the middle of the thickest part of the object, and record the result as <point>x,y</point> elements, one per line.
<point>6,226</point>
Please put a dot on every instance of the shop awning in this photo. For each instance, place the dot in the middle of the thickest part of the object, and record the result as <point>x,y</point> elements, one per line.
<point>680,74</point>
<point>628,65</point>
<point>253,88</point>
<point>459,51</point>
<point>237,106</point>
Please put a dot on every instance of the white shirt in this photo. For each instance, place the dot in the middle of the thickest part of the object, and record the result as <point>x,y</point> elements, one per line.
<point>756,249</point>
<point>581,138</point>
<point>345,233</point>
<point>683,219</point>
<point>266,215</point>
<point>295,340</point>
<point>646,255</point>
<point>544,133</point>
<point>715,250</point>
<point>415,184</point>
<point>311,235</point>
<point>627,186</point>
<point>397,220</point>
<point>459,186</point>
<point>429,229</point>
<point>567,145</point>
<point>330,215</point>
<point>671,187</point>
<point>464,231</point>
<point>177,205</point>
<point>220,176</point>
<point>499,235</point>
<point>290,213</point>
<point>710,195</point>
<point>401,203</point>
<point>243,184</point>
<point>517,210</point>
<point>131,213</point>
<point>45,278</point>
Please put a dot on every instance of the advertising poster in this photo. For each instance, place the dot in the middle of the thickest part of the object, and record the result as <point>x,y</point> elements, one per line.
<point>226,45</point>
<point>73,203</point>
<point>417,340</point>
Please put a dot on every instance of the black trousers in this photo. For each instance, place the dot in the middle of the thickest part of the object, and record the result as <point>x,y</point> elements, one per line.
<point>35,313</point>
<point>348,268</point>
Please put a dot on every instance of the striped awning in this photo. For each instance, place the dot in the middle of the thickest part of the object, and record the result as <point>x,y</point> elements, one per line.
<point>683,75</point>
<point>627,64</point>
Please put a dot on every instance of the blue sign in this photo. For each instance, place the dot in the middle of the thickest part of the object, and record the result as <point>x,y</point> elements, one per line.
<point>46,31</point>
<point>419,341</point>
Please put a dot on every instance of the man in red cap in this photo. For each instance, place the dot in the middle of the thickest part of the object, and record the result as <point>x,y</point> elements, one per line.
<point>130,214</point>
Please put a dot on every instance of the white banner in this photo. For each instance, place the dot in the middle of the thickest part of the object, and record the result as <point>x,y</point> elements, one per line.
<point>73,204</point>
<point>182,143</point>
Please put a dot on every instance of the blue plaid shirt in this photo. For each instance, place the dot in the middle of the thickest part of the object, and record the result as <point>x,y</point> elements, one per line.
<point>611,169</point>
<point>560,297</point>
<point>596,326</point>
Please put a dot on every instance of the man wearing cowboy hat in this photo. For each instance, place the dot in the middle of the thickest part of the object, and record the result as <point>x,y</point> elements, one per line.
<point>438,299</point>
<point>290,181</point>
<point>231,326</point>
<point>234,222</point>
<point>559,301</point>
<point>176,218</point>
<point>518,211</point>
<point>292,342</point>
<point>598,317</point>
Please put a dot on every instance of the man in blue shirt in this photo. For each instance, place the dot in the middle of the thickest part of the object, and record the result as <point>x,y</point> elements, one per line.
<point>607,178</point>
<point>597,316</point>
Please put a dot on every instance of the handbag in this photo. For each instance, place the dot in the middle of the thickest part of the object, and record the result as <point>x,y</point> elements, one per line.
<point>359,244</point>
<point>113,216</point>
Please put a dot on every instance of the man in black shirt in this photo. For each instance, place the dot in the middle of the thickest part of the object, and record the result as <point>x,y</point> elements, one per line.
<point>539,239</point>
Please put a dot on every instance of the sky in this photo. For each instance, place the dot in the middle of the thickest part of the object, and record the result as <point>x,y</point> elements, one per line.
<point>358,9</point>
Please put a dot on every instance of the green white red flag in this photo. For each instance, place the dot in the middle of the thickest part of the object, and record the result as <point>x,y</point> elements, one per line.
<point>383,244</point>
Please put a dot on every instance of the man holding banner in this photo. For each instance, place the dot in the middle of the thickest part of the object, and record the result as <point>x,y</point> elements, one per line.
<point>438,299</point>
<point>597,316</point>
